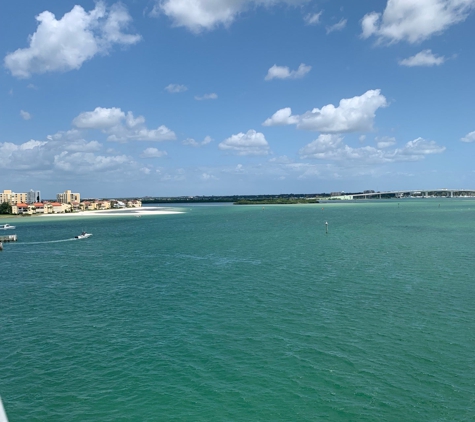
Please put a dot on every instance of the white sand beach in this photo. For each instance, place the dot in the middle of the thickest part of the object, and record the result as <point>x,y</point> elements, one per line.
<point>119,212</point>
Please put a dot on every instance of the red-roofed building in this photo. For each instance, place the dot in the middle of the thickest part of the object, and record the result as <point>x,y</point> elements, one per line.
<point>19,208</point>
<point>39,207</point>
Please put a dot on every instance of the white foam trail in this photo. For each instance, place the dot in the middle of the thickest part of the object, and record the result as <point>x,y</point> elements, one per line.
<point>46,241</point>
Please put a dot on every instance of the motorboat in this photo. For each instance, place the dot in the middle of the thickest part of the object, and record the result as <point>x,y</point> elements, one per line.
<point>83,235</point>
<point>7,227</point>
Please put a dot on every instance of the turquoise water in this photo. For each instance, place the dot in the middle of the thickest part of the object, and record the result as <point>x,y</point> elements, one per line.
<point>228,313</point>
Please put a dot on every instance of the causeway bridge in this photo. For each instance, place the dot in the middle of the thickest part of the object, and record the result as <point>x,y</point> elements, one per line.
<point>411,193</point>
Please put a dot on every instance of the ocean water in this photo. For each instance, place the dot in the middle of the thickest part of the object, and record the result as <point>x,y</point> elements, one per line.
<point>239,313</point>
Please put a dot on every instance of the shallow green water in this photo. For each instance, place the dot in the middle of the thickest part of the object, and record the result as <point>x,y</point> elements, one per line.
<point>228,313</point>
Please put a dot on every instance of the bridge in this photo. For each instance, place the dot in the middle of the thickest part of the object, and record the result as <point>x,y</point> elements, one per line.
<point>411,193</point>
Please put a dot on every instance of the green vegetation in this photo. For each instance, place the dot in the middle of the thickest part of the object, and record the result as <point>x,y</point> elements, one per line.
<point>5,208</point>
<point>237,199</point>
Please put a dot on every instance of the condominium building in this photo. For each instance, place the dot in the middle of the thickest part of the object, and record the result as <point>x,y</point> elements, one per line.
<point>12,198</point>
<point>67,197</point>
<point>33,196</point>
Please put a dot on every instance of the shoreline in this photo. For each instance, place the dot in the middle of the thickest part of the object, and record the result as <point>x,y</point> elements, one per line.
<point>137,212</point>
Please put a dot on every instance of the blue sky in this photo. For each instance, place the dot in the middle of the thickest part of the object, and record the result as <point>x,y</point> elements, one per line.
<point>221,97</point>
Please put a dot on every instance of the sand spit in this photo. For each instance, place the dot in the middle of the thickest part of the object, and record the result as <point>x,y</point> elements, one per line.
<point>130,212</point>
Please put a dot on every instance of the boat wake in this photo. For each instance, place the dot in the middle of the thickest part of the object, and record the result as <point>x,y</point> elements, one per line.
<point>46,241</point>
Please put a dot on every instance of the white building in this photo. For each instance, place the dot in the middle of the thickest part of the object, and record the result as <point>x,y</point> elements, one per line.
<point>33,196</point>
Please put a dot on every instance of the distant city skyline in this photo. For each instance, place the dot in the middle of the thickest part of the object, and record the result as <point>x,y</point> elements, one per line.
<point>144,97</point>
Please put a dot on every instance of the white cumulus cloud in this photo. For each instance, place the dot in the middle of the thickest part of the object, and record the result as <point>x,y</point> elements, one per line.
<point>424,58</point>
<point>62,153</point>
<point>88,162</point>
<point>65,44</point>
<point>121,127</point>
<point>153,153</point>
<point>385,142</point>
<point>198,15</point>
<point>250,143</point>
<point>283,72</point>
<point>281,117</point>
<point>331,147</point>
<point>414,21</point>
<point>470,137</point>
<point>352,115</point>
<point>193,143</point>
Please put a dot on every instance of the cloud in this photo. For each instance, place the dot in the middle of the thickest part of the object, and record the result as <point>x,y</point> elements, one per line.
<point>69,135</point>
<point>313,18</point>
<point>283,72</point>
<point>250,143</point>
<point>207,176</point>
<point>65,44</point>
<point>418,148</point>
<point>83,146</point>
<point>145,170</point>
<point>199,15</point>
<point>100,118</point>
<point>174,88</point>
<point>87,162</point>
<point>385,142</point>
<point>211,96</point>
<point>339,26</point>
<point>424,58</point>
<point>60,153</point>
<point>196,144</point>
<point>283,159</point>
<point>331,147</point>
<point>352,115</point>
<point>470,137</point>
<point>414,21</point>
<point>121,127</point>
<point>25,115</point>
<point>282,117</point>
<point>153,153</point>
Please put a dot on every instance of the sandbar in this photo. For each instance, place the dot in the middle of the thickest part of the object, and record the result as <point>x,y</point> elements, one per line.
<point>132,212</point>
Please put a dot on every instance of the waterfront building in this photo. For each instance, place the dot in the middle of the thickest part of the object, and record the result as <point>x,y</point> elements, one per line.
<point>33,196</point>
<point>59,208</point>
<point>20,208</point>
<point>39,207</point>
<point>67,197</point>
<point>134,203</point>
<point>12,198</point>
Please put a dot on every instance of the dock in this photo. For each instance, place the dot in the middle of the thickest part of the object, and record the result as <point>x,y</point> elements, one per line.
<point>8,238</point>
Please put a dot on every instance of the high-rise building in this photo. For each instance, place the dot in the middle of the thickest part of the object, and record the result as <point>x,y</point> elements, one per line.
<point>33,196</point>
<point>67,197</point>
